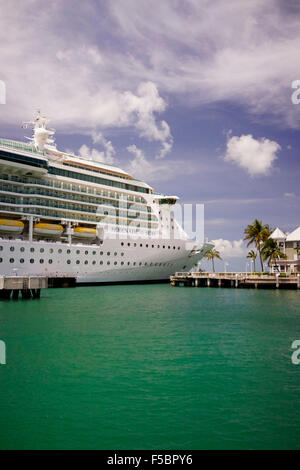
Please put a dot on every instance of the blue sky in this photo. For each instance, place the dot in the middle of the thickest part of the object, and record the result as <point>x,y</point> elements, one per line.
<point>193,96</point>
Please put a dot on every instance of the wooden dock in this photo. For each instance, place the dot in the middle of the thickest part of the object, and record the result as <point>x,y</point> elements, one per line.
<point>29,287</point>
<point>237,280</point>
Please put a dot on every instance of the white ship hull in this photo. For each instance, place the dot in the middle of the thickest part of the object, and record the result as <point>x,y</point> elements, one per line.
<point>109,262</point>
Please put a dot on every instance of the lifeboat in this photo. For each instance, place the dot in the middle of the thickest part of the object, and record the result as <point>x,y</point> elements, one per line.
<point>11,226</point>
<point>85,232</point>
<point>47,230</point>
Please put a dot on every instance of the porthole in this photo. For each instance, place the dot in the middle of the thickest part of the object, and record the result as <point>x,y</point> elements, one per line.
<point>115,253</point>
<point>86,261</point>
<point>86,252</point>
<point>68,261</point>
<point>41,261</point>
<point>179,248</point>
<point>1,248</point>
<point>115,262</point>
<point>32,250</point>
<point>51,250</point>
<point>94,252</point>
<point>42,250</point>
<point>77,261</point>
<point>31,260</point>
<point>122,254</point>
<point>146,264</point>
<point>169,247</point>
<point>59,250</point>
<point>152,246</point>
<point>128,244</point>
<point>12,248</point>
<point>101,253</point>
<point>22,249</point>
<point>128,263</point>
<point>141,245</point>
<point>164,247</point>
<point>50,261</point>
<point>11,260</point>
<point>108,262</point>
<point>122,262</point>
<point>108,253</point>
<point>134,263</point>
<point>101,262</point>
<point>68,252</point>
<point>146,246</point>
<point>22,260</point>
<point>157,246</point>
<point>94,262</point>
<point>122,243</point>
<point>77,252</point>
<point>1,259</point>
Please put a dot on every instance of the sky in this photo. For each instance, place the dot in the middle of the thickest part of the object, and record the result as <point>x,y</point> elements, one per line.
<point>196,97</point>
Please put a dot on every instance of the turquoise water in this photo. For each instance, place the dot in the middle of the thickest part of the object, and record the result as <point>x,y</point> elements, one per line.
<point>150,367</point>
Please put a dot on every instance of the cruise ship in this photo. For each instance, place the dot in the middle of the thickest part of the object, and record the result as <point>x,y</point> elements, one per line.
<point>64,215</point>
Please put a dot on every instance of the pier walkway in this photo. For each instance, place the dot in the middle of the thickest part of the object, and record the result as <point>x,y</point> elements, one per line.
<point>237,280</point>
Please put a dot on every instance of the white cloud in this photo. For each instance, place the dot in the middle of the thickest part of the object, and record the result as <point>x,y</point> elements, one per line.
<point>228,249</point>
<point>141,167</point>
<point>292,195</point>
<point>256,156</point>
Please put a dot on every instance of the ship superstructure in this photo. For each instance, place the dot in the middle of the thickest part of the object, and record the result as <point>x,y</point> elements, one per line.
<point>63,214</point>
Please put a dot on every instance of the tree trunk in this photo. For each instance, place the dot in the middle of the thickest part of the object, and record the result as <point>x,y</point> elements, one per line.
<point>261,263</point>
<point>213,265</point>
<point>254,264</point>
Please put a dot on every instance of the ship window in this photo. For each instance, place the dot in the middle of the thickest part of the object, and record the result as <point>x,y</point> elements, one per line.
<point>68,252</point>
<point>128,244</point>
<point>122,262</point>
<point>50,261</point>
<point>179,248</point>
<point>41,261</point>
<point>108,253</point>
<point>32,250</point>
<point>108,262</point>
<point>122,243</point>
<point>31,260</point>
<point>51,250</point>
<point>146,246</point>
<point>152,246</point>
<point>128,263</point>
<point>122,254</point>
<point>115,262</point>
<point>12,248</point>
<point>22,260</point>
<point>86,261</point>
<point>94,262</point>
<point>101,253</point>
<point>1,259</point>
<point>60,250</point>
<point>164,247</point>
<point>174,247</point>
<point>86,252</point>
<point>94,252</point>
<point>134,244</point>
<point>11,260</point>
<point>68,261</point>
<point>141,245</point>
<point>157,246</point>
<point>169,247</point>
<point>134,263</point>
<point>77,252</point>
<point>1,248</point>
<point>42,250</point>
<point>115,253</point>
<point>101,262</point>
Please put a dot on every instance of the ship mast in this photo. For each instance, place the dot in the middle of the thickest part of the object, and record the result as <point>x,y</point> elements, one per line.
<point>41,135</point>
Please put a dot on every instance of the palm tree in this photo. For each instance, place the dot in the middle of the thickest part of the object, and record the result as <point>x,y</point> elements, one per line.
<point>257,233</point>
<point>271,251</point>
<point>253,255</point>
<point>212,254</point>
